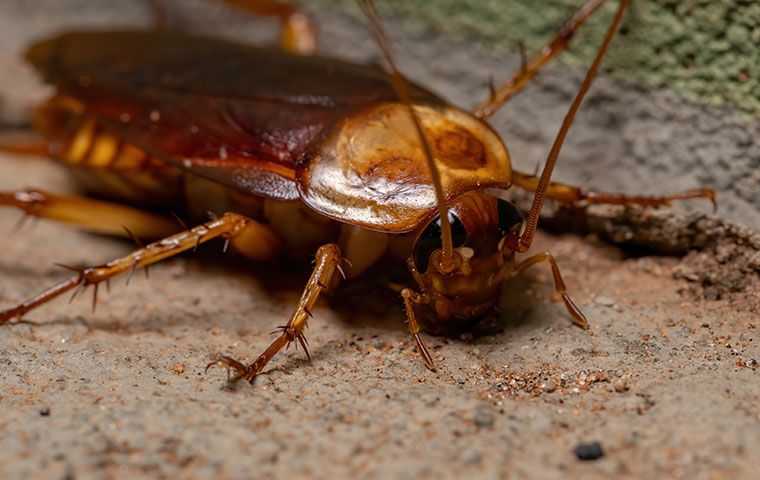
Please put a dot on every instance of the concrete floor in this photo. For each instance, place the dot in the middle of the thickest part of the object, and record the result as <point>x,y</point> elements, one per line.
<point>666,382</point>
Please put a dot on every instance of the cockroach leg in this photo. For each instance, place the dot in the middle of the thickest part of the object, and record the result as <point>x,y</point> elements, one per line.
<point>22,222</point>
<point>412,298</point>
<point>575,195</point>
<point>531,222</point>
<point>230,225</point>
<point>91,215</point>
<point>578,318</point>
<point>298,35</point>
<point>327,260</point>
<point>528,70</point>
<point>33,146</point>
<point>139,244</point>
<point>523,57</point>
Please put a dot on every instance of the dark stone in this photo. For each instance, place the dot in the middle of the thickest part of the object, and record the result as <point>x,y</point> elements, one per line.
<point>588,451</point>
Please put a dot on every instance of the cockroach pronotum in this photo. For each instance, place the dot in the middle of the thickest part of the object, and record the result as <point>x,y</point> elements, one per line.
<point>297,153</point>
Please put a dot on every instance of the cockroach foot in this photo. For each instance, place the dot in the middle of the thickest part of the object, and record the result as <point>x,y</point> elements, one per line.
<point>230,363</point>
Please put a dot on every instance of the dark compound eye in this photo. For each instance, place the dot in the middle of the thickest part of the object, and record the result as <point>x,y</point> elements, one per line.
<point>510,218</point>
<point>430,240</point>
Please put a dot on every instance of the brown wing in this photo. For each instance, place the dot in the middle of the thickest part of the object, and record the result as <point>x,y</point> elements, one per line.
<point>243,116</point>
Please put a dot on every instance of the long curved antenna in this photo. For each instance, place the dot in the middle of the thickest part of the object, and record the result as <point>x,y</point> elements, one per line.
<point>529,69</point>
<point>402,90</point>
<point>526,238</point>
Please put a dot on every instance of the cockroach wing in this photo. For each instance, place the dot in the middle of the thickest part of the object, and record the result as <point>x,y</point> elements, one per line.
<point>277,125</point>
<point>243,116</point>
<point>372,169</point>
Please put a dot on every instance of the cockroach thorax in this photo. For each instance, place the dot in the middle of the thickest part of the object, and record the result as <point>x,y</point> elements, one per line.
<point>372,169</point>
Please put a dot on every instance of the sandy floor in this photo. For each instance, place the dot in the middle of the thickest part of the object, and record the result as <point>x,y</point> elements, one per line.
<point>669,385</point>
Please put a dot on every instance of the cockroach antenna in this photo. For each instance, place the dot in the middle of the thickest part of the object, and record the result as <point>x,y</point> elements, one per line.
<point>531,223</point>
<point>402,90</point>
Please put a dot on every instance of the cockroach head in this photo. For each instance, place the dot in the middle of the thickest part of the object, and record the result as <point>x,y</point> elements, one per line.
<point>483,230</point>
<point>481,225</point>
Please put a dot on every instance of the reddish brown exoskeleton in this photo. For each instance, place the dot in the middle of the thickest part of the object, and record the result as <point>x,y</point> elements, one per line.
<point>296,153</point>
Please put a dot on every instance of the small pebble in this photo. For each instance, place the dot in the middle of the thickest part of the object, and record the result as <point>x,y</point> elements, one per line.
<point>549,387</point>
<point>604,301</point>
<point>588,451</point>
<point>621,385</point>
<point>712,293</point>
<point>472,457</point>
<point>483,417</point>
<point>45,412</point>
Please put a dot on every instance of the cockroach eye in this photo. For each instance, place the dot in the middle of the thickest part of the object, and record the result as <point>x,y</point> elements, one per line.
<point>510,218</point>
<point>430,240</point>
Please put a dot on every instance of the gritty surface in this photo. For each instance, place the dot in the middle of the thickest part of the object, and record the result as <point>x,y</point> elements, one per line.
<point>668,384</point>
<point>666,381</point>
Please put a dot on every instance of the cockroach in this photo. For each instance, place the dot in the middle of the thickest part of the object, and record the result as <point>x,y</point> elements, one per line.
<point>297,153</point>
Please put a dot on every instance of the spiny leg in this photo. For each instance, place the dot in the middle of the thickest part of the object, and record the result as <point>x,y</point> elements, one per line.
<point>578,317</point>
<point>575,195</point>
<point>26,145</point>
<point>298,35</point>
<point>412,298</point>
<point>237,229</point>
<point>327,263</point>
<point>500,96</point>
<point>91,215</point>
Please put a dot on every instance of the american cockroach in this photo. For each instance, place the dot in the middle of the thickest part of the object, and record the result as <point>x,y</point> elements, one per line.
<point>296,153</point>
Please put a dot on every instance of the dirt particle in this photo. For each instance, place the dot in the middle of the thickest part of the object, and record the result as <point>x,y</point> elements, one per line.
<point>549,386</point>
<point>45,412</point>
<point>588,451</point>
<point>472,457</point>
<point>647,403</point>
<point>711,293</point>
<point>484,417</point>
<point>621,385</point>
<point>604,301</point>
<point>178,368</point>
<point>749,363</point>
